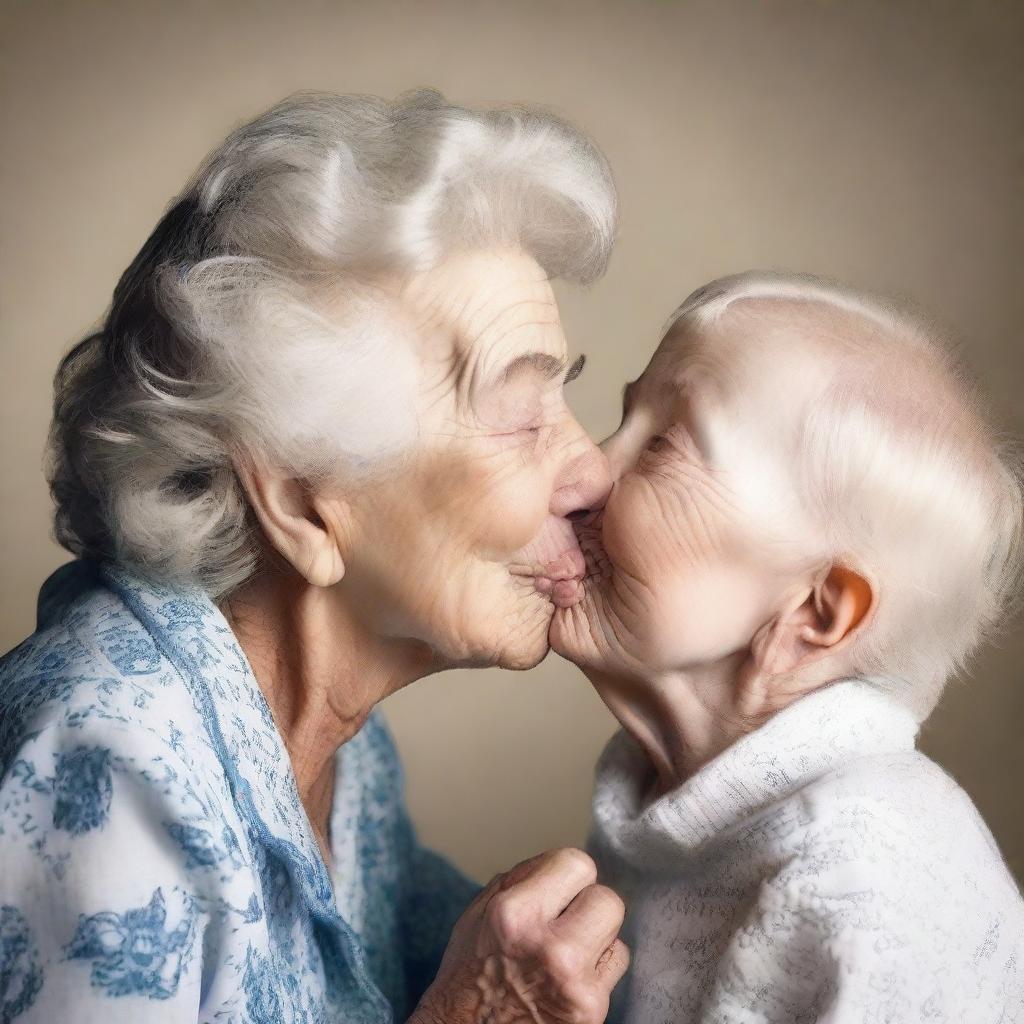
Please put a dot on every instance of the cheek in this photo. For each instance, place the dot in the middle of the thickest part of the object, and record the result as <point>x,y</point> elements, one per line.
<point>705,615</point>
<point>699,602</point>
<point>490,503</point>
<point>637,535</point>
<point>515,504</point>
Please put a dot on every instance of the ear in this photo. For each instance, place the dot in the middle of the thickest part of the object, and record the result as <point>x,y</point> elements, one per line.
<point>292,523</point>
<point>815,623</point>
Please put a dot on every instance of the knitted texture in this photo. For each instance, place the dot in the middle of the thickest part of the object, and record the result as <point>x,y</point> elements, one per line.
<point>820,869</point>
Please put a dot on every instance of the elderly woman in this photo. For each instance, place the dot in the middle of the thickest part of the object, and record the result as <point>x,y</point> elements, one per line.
<point>811,528</point>
<point>319,450</point>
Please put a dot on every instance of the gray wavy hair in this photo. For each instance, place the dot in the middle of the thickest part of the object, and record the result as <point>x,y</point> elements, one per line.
<point>218,340</point>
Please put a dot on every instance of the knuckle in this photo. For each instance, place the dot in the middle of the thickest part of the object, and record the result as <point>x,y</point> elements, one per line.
<point>507,920</point>
<point>562,960</point>
<point>520,871</point>
<point>588,1004</point>
<point>609,901</point>
<point>486,894</point>
<point>574,859</point>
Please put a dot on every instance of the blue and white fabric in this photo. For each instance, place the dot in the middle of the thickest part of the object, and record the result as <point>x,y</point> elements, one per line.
<point>156,863</point>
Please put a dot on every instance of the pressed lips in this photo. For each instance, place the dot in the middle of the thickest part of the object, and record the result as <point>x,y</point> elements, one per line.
<point>590,539</point>
<point>554,561</point>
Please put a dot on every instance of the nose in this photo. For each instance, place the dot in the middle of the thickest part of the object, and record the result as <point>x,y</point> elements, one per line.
<point>584,483</point>
<point>617,455</point>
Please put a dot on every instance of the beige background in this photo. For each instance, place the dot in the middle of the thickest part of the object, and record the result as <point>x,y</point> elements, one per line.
<point>877,142</point>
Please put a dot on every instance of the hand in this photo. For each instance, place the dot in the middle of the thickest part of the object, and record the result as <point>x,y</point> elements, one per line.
<point>539,945</point>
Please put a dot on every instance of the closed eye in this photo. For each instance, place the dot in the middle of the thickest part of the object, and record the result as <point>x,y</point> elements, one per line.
<point>575,370</point>
<point>522,435</point>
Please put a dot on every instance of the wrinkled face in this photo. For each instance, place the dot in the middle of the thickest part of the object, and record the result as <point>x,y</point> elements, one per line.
<point>465,543</point>
<point>682,570</point>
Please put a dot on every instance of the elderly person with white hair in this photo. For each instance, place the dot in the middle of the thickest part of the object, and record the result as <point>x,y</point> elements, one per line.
<point>318,450</point>
<point>811,528</point>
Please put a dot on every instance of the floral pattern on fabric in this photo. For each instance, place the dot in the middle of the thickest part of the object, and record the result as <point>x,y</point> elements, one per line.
<point>158,864</point>
<point>21,978</point>
<point>201,849</point>
<point>82,790</point>
<point>134,953</point>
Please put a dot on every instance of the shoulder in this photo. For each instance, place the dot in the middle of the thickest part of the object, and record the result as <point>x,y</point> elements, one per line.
<point>124,877</point>
<point>75,793</point>
<point>891,849</point>
<point>117,831</point>
<point>110,844</point>
<point>92,670</point>
<point>100,739</point>
<point>903,805</point>
<point>886,877</point>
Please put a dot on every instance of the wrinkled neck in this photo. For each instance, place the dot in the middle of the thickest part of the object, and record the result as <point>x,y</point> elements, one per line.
<point>681,719</point>
<point>322,671</point>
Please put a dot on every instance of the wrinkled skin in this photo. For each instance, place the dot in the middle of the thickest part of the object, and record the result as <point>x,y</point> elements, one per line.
<point>465,544</point>
<point>709,601</point>
<point>537,946</point>
<point>456,553</point>
<point>678,575</point>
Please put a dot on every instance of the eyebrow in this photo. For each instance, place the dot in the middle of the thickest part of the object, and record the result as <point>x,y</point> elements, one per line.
<point>548,366</point>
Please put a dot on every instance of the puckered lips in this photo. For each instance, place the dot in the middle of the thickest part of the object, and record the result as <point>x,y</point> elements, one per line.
<point>554,561</point>
<point>589,536</point>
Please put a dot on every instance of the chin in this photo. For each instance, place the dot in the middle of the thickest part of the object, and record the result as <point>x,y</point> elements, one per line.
<point>571,634</point>
<point>521,660</point>
<point>519,642</point>
<point>589,633</point>
<point>527,646</point>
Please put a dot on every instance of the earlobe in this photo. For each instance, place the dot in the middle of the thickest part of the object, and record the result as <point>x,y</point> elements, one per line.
<point>777,648</point>
<point>292,524</point>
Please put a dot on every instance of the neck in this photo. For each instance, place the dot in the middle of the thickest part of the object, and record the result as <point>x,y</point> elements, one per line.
<point>321,669</point>
<point>681,718</point>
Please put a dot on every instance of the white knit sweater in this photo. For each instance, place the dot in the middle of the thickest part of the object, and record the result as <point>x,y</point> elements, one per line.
<point>819,870</point>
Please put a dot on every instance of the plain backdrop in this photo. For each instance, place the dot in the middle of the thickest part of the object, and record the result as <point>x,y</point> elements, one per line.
<point>880,143</point>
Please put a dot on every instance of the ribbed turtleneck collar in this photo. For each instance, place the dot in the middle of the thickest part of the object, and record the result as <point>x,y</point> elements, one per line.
<point>845,720</point>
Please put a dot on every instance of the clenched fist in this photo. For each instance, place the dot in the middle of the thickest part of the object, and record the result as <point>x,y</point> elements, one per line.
<point>539,945</point>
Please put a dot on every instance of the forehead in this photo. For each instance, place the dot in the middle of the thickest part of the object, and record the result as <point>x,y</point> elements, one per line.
<point>755,348</point>
<point>486,307</point>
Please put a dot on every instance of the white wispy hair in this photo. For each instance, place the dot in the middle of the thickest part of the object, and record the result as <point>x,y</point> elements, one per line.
<point>897,468</point>
<point>246,326</point>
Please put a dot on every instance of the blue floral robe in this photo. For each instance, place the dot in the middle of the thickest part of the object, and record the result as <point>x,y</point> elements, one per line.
<point>155,861</point>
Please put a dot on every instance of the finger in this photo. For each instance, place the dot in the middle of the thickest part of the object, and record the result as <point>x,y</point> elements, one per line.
<point>481,898</point>
<point>549,883</point>
<point>478,905</point>
<point>592,919</point>
<point>521,870</point>
<point>613,963</point>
